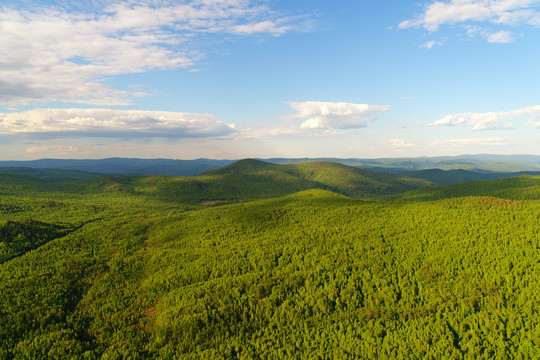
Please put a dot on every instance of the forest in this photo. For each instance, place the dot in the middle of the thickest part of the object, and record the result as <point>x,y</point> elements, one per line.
<point>254,260</point>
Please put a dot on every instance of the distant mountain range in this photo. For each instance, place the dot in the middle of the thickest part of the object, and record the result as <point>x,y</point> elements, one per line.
<point>442,170</point>
<point>125,166</point>
<point>476,163</point>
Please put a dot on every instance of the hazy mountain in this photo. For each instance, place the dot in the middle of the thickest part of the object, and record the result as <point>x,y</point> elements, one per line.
<point>448,177</point>
<point>525,187</point>
<point>123,166</point>
<point>172,167</point>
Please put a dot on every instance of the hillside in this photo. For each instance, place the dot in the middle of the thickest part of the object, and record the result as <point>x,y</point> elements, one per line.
<point>342,179</point>
<point>309,275</point>
<point>245,180</point>
<point>449,177</point>
<point>354,182</point>
<point>525,187</point>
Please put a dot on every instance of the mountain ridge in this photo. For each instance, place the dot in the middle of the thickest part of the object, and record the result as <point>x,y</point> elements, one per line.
<point>179,167</point>
<point>244,180</point>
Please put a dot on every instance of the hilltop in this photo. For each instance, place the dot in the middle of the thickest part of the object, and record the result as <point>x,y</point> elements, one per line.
<point>343,179</point>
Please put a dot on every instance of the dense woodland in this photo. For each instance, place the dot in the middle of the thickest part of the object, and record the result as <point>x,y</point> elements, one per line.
<point>258,261</point>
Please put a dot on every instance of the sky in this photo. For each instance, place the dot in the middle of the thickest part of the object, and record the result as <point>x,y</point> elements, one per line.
<point>232,79</point>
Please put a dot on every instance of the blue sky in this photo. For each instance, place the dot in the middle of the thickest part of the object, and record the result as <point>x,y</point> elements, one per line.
<point>244,78</point>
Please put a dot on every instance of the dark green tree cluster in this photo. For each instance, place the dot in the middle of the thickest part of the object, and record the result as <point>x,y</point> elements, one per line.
<point>19,237</point>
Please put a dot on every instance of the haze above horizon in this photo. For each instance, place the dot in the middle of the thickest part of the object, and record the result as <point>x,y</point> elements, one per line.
<point>230,79</point>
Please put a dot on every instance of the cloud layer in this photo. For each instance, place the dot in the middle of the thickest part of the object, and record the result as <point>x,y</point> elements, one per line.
<point>52,54</point>
<point>335,115</point>
<point>492,12</point>
<point>472,141</point>
<point>490,120</point>
<point>400,143</point>
<point>112,123</point>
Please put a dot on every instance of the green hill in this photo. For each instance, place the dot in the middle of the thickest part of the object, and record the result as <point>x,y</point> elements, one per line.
<point>449,177</point>
<point>343,179</point>
<point>354,182</point>
<point>525,187</point>
<point>245,180</point>
<point>242,166</point>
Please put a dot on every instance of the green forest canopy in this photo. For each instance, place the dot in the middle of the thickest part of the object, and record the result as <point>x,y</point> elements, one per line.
<point>112,268</point>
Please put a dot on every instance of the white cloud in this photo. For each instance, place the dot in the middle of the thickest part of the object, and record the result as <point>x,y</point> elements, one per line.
<point>534,122</point>
<point>472,141</point>
<point>59,149</point>
<point>495,12</point>
<point>430,44</point>
<point>336,115</point>
<point>51,54</point>
<point>502,37</point>
<point>112,123</point>
<point>400,143</point>
<point>270,27</point>
<point>489,120</point>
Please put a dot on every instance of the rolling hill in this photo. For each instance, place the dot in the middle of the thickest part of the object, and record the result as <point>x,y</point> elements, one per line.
<point>448,177</point>
<point>245,180</point>
<point>342,179</point>
<point>525,187</point>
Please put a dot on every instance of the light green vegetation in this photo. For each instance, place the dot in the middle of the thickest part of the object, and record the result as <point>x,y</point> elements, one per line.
<point>120,274</point>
